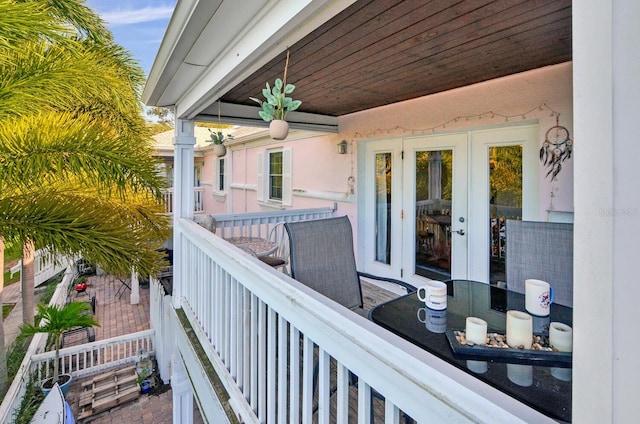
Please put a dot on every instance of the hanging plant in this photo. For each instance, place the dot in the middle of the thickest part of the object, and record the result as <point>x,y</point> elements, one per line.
<point>218,138</point>
<point>276,104</point>
<point>557,148</point>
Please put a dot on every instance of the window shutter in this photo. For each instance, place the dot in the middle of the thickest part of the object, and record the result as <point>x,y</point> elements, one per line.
<point>260,185</point>
<point>287,194</point>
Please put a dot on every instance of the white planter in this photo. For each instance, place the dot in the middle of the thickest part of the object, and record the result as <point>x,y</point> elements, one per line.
<point>219,150</point>
<point>279,129</point>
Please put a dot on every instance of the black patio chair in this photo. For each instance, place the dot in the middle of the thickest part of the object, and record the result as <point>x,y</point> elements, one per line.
<point>322,258</point>
<point>541,250</point>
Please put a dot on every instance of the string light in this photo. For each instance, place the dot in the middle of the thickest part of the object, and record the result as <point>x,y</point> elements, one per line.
<point>488,114</point>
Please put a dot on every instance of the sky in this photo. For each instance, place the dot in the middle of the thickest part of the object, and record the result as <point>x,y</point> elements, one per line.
<point>137,25</point>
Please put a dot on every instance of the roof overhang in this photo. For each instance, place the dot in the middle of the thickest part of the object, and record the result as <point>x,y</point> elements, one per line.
<point>346,55</point>
<point>212,46</point>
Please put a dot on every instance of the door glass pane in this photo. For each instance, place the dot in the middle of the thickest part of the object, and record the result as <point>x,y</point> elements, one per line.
<point>383,208</point>
<point>505,202</point>
<point>434,180</point>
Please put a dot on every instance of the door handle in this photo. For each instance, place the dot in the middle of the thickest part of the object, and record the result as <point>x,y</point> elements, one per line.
<point>461,232</point>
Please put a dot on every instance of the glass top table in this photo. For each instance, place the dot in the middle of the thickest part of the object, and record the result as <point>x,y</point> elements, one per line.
<point>544,388</point>
<point>261,247</point>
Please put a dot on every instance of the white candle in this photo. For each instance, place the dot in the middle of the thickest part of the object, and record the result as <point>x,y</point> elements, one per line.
<point>561,336</point>
<point>476,330</point>
<point>519,329</point>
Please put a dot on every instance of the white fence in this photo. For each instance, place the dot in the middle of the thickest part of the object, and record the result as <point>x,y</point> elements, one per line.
<point>46,266</point>
<point>90,358</point>
<point>270,337</point>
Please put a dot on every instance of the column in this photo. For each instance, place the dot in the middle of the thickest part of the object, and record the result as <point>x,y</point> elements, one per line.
<point>184,142</point>
<point>182,394</point>
<point>135,288</point>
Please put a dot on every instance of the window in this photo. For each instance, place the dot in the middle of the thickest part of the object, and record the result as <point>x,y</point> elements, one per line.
<point>220,173</point>
<point>274,177</point>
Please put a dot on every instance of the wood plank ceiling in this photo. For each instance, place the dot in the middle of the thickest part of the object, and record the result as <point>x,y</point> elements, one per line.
<point>379,52</point>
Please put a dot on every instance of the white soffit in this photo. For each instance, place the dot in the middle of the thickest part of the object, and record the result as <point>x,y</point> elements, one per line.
<point>229,20</point>
<point>199,61</point>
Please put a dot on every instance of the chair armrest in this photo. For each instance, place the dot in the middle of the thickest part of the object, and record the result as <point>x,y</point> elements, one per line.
<point>410,288</point>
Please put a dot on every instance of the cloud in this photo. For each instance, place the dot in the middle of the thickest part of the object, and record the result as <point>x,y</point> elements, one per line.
<point>147,14</point>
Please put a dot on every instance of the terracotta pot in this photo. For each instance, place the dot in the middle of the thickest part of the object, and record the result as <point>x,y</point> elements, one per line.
<point>219,150</point>
<point>279,129</point>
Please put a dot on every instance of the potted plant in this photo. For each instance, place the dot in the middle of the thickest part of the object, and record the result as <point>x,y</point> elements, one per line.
<point>55,320</point>
<point>276,105</point>
<point>218,138</point>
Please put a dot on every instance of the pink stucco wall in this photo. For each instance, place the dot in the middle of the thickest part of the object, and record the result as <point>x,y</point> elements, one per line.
<point>322,174</point>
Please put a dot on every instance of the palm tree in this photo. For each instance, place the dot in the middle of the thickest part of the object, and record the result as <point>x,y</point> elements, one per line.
<point>76,171</point>
<point>55,320</point>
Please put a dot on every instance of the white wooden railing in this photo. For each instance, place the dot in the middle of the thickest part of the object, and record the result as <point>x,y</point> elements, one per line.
<point>13,398</point>
<point>91,358</point>
<point>168,200</point>
<point>46,266</point>
<point>198,200</point>
<point>258,224</point>
<point>263,331</point>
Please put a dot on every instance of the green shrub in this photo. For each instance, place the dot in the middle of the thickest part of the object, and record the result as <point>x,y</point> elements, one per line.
<point>32,400</point>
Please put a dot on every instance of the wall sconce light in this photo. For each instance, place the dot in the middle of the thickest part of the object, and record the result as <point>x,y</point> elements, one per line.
<point>342,147</point>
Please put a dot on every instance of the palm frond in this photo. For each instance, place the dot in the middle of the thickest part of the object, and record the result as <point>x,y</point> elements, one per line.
<point>42,149</point>
<point>29,21</point>
<point>116,233</point>
<point>55,320</point>
<point>79,16</point>
<point>95,79</point>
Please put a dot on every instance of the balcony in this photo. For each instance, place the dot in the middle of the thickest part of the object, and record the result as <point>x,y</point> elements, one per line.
<point>246,340</point>
<point>284,353</point>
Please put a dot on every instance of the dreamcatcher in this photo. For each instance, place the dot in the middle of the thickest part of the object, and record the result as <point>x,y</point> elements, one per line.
<point>557,148</point>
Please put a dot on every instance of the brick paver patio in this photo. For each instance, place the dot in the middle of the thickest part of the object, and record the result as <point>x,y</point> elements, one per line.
<point>118,317</point>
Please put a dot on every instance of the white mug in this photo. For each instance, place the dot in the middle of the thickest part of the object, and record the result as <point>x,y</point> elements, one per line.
<point>434,295</point>
<point>538,296</point>
<point>435,321</point>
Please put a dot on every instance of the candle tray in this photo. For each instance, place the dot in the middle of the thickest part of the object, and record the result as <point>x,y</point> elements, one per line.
<point>540,357</point>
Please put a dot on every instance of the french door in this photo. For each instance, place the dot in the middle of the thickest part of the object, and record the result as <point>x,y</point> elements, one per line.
<point>435,206</point>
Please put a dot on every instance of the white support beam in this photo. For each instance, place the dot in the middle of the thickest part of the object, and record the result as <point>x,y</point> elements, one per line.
<point>248,116</point>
